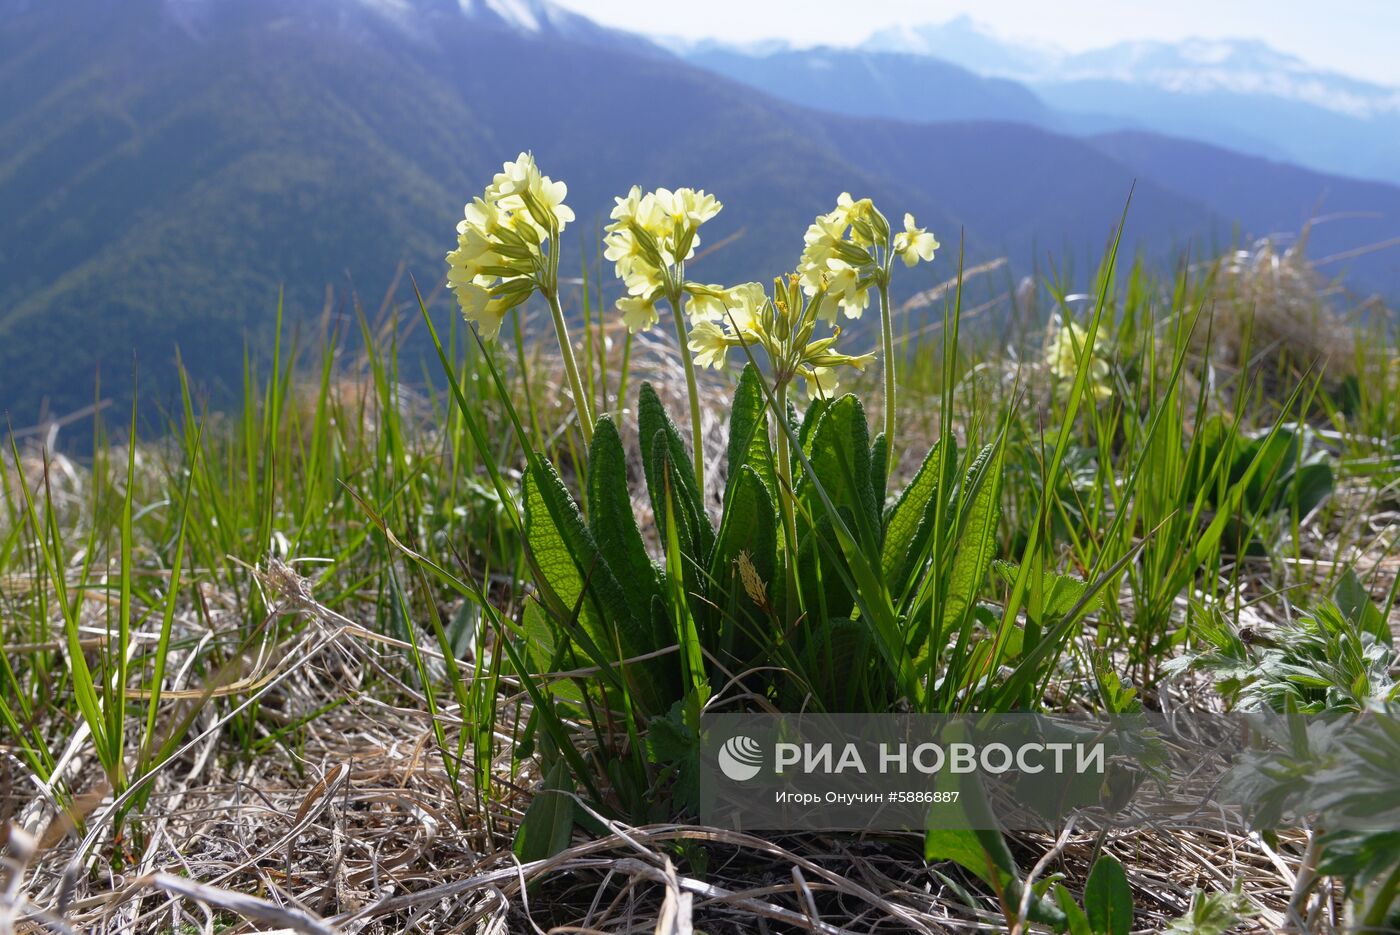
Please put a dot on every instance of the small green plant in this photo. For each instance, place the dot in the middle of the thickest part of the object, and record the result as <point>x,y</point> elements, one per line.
<point>1337,660</point>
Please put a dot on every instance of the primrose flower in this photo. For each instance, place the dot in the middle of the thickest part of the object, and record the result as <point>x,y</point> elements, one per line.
<point>499,260</point>
<point>709,342</point>
<point>706,303</point>
<point>1062,356</point>
<point>782,327</point>
<point>638,312</point>
<point>821,381</point>
<point>839,254</point>
<point>520,186</point>
<point>651,235</point>
<point>745,309</point>
<point>914,243</point>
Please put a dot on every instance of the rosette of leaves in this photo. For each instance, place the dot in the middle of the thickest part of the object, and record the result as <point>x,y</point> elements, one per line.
<point>855,615</point>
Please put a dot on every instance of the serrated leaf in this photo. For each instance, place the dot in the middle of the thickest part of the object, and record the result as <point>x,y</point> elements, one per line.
<point>909,524</point>
<point>750,526</point>
<point>839,451</point>
<point>977,535</point>
<point>879,467</point>
<point>749,445</point>
<point>1059,593</point>
<point>611,522</point>
<point>661,445</point>
<point>575,576</point>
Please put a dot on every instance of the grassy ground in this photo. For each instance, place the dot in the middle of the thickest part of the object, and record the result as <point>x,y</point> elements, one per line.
<point>259,673</point>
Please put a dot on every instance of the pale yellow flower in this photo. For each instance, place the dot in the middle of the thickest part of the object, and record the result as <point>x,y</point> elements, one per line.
<point>709,342</point>
<point>499,259</point>
<point>638,313</point>
<point>706,303</point>
<point>844,284</point>
<point>521,186</point>
<point>821,381</point>
<point>837,255</point>
<point>914,243</point>
<point>745,308</point>
<point>650,237</point>
<point>479,306</point>
<point>1062,356</point>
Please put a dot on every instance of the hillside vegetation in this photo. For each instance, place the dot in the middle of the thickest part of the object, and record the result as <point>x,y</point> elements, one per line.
<point>454,627</point>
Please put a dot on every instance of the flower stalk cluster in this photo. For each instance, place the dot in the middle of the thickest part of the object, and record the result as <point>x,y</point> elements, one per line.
<point>783,327</point>
<point>848,251</point>
<point>507,249</point>
<point>651,237</point>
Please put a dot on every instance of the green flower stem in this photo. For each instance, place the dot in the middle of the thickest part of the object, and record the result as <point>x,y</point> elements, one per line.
<point>785,497</point>
<point>561,331</point>
<point>697,434</point>
<point>887,346</point>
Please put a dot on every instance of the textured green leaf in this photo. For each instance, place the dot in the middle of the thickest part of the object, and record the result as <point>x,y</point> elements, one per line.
<point>1108,901</point>
<point>749,445</point>
<point>879,466</point>
<point>750,525</point>
<point>910,523</point>
<point>840,457</point>
<point>575,575</point>
<point>977,537</point>
<point>1059,593</point>
<point>611,522</point>
<point>661,445</point>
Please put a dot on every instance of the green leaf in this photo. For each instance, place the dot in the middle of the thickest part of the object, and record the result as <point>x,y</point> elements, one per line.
<point>910,524</point>
<point>1210,913</point>
<point>982,849</point>
<point>977,538</point>
<point>548,823</point>
<point>815,410</point>
<point>750,525</point>
<point>611,521</point>
<point>573,573</point>
<point>1075,919</point>
<point>1355,604</point>
<point>1060,593</point>
<point>839,452</point>
<point>1311,484</point>
<point>879,465</point>
<point>749,445</point>
<point>1108,900</point>
<point>661,444</point>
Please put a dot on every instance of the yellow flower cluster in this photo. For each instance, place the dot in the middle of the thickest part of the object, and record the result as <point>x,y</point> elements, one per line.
<point>500,257</point>
<point>650,238</point>
<point>842,253</point>
<point>1062,356</point>
<point>782,326</point>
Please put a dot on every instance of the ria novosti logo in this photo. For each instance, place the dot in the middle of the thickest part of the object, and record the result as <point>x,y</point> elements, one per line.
<point>740,758</point>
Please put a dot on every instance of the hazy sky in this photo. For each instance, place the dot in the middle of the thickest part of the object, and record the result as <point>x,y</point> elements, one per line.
<point>1358,37</point>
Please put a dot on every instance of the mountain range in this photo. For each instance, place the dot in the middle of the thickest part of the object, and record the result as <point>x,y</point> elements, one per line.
<point>1237,93</point>
<point>167,167</point>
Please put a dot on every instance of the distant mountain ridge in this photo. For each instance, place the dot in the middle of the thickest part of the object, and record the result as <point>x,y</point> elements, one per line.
<point>1242,94</point>
<point>1193,65</point>
<point>167,166</point>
